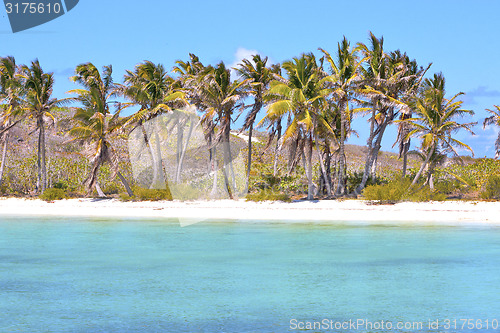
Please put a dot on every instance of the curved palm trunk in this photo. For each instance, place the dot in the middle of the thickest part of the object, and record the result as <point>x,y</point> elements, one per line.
<point>323,169</point>
<point>292,155</point>
<point>212,163</point>
<point>91,180</point>
<point>309,147</point>
<point>368,162</point>
<point>249,164</point>
<point>100,193</point>
<point>430,179</point>
<point>180,141</point>
<point>406,147</point>
<point>378,141</point>
<point>214,168</point>
<point>277,150</point>
<point>160,177</point>
<point>342,172</point>
<point>4,156</point>
<point>422,168</point>
<point>255,110</point>
<point>41,163</point>
<point>184,149</point>
<point>154,163</point>
<point>227,161</point>
<point>125,184</point>
<point>373,150</point>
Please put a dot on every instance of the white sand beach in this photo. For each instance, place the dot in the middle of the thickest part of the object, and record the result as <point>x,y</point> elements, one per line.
<point>324,212</point>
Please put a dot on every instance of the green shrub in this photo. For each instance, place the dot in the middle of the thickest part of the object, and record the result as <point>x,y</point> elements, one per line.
<point>447,186</point>
<point>125,197</point>
<point>399,190</point>
<point>491,188</point>
<point>390,192</point>
<point>145,194</point>
<point>111,188</point>
<point>475,175</point>
<point>51,194</point>
<point>424,194</point>
<point>267,195</point>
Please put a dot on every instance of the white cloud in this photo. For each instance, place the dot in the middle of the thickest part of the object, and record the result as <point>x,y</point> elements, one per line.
<point>241,53</point>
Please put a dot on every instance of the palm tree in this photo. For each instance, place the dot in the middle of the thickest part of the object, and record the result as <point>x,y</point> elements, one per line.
<point>220,97</point>
<point>494,119</point>
<point>95,123</point>
<point>388,80</point>
<point>343,82</point>
<point>434,122</point>
<point>302,96</point>
<point>191,75</point>
<point>150,87</point>
<point>37,104</point>
<point>411,82</point>
<point>10,94</point>
<point>260,77</point>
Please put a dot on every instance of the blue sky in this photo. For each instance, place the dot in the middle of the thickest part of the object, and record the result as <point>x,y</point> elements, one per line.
<point>460,38</point>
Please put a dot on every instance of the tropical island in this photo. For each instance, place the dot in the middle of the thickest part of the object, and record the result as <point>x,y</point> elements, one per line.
<point>80,146</point>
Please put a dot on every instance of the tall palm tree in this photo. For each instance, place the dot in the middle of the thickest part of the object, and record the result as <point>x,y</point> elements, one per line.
<point>191,74</point>
<point>301,96</point>
<point>494,119</point>
<point>150,87</point>
<point>260,76</point>
<point>95,123</point>
<point>374,76</point>
<point>10,95</point>
<point>343,83</point>
<point>434,122</point>
<point>220,97</point>
<point>387,81</point>
<point>38,103</point>
<point>412,81</point>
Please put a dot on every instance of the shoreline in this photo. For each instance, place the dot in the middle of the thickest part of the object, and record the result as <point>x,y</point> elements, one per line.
<point>356,212</point>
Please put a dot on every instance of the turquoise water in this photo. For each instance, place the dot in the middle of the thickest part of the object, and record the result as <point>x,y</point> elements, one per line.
<point>89,275</point>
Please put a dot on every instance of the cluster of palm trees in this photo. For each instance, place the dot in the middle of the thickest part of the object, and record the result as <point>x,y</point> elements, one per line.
<point>309,104</point>
<point>27,94</point>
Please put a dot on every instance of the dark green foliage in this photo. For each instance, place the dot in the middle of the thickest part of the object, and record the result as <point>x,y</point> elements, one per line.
<point>267,181</point>
<point>52,194</point>
<point>449,186</point>
<point>63,185</point>
<point>491,188</point>
<point>354,179</point>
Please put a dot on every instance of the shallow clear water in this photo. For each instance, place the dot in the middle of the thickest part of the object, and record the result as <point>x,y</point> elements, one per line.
<point>90,275</point>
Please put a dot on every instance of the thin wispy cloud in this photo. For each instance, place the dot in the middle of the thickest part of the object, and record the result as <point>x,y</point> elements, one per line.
<point>484,138</point>
<point>481,91</point>
<point>66,72</point>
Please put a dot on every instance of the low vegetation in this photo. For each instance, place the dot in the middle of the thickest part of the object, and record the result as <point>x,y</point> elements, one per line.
<point>146,194</point>
<point>401,190</point>
<point>52,194</point>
